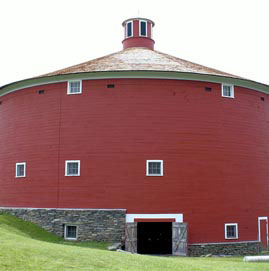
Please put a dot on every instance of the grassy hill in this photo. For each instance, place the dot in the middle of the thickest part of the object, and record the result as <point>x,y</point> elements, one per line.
<point>25,246</point>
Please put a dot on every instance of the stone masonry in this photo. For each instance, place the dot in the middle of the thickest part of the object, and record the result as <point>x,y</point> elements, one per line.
<point>234,248</point>
<point>109,225</point>
<point>93,224</point>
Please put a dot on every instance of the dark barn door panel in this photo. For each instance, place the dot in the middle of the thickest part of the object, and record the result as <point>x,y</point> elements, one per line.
<point>131,237</point>
<point>179,237</point>
<point>154,238</point>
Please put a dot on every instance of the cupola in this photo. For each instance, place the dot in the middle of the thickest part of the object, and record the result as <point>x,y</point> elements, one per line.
<point>138,33</point>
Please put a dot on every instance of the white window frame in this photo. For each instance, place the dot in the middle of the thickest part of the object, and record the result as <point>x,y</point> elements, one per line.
<point>72,161</point>
<point>69,88</point>
<point>236,230</point>
<point>20,164</point>
<point>147,167</point>
<point>65,232</point>
<point>232,90</point>
<point>126,29</point>
<point>140,28</point>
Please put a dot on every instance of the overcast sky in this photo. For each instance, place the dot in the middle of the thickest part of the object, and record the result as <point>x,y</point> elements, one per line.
<point>39,36</point>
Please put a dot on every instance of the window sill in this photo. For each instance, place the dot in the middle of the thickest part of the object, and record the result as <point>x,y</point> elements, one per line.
<point>74,93</point>
<point>231,97</point>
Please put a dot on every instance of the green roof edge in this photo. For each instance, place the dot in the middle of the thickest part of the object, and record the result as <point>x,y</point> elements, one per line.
<point>133,74</point>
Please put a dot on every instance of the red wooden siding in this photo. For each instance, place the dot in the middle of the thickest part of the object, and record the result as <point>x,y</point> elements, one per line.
<point>215,151</point>
<point>263,233</point>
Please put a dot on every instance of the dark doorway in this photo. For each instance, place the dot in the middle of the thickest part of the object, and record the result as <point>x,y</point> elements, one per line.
<point>154,237</point>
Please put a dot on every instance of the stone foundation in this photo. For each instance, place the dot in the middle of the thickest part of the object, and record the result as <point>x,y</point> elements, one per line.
<point>235,248</point>
<point>109,225</point>
<point>93,224</point>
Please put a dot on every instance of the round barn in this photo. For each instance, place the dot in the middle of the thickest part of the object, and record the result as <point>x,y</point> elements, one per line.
<point>141,147</point>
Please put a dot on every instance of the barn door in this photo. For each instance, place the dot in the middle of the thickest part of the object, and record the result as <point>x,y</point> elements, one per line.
<point>179,239</point>
<point>131,237</point>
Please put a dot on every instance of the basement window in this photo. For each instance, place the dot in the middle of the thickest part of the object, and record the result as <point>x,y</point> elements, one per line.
<point>70,232</point>
<point>129,29</point>
<point>21,170</point>
<point>154,168</point>
<point>72,168</point>
<point>227,91</point>
<point>74,87</point>
<point>231,231</point>
<point>143,28</point>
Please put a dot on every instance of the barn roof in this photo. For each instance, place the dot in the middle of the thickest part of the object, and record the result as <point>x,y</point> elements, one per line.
<point>140,59</point>
<point>136,62</point>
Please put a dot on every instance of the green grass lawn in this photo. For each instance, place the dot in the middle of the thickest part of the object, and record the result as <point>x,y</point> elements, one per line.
<point>24,246</point>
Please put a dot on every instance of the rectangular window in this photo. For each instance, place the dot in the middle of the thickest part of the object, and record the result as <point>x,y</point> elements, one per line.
<point>20,170</point>
<point>231,231</point>
<point>72,168</point>
<point>74,87</point>
<point>227,91</point>
<point>143,28</point>
<point>70,232</point>
<point>129,29</point>
<point>154,168</point>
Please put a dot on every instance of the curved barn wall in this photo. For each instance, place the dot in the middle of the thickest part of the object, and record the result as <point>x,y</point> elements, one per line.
<point>215,151</point>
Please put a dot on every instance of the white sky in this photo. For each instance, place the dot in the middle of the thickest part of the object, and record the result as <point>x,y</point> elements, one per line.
<point>41,36</point>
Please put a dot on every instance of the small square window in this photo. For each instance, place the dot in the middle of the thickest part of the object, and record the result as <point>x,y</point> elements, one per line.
<point>70,232</point>
<point>231,231</point>
<point>143,28</point>
<point>129,29</point>
<point>227,91</point>
<point>74,87</point>
<point>20,170</point>
<point>154,168</point>
<point>72,168</point>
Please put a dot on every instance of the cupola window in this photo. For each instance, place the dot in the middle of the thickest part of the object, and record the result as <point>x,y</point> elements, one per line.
<point>143,28</point>
<point>129,29</point>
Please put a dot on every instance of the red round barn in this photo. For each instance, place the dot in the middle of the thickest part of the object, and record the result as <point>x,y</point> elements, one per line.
<point>162,145</point>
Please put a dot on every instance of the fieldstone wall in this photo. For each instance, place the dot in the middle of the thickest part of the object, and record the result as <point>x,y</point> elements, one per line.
<point>235,248</point>
<point>93,224</point>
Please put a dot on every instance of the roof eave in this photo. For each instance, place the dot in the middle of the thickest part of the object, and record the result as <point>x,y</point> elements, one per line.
<point>133,74</point>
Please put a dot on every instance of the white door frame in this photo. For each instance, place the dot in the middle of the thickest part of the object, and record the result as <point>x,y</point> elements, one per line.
<point>132,217</point>
<point>259,228</point>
